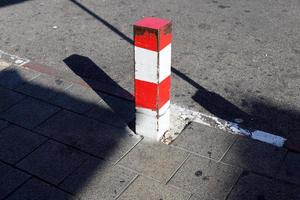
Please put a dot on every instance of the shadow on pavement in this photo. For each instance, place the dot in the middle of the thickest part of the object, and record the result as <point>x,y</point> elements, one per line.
<point>94,76</point>
<point>10,2</point>
<point>262,116</point>
<point>104,22</point>
<point>72,150</point>
<point>51,148</point>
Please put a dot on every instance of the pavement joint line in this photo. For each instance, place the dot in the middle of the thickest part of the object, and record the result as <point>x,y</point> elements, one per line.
<point>12,105</point>
<point>127,152</point>
<point>253,172</point>
<point>68,145</point>
<point>62,108</point>
<point>74,170</point>
<point>35,176</point>
<point>176,170</point>
<point>24,157</point>
<point>127,186</point>
<point>194,153</point>
<point>18,187</point>
<point>139,173</point>
<point>228,149</point>
<point>234,185</point>
<point>129,169</point>
<point>58,141</point>
<point>180,189</point>
<point>153,179</point>
<point>45,120</point>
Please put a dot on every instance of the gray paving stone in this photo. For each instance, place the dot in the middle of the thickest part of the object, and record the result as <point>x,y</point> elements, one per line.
<point>29,112</point>
<point>89,135</point>
<point>97,179</point>
<point>148,189</point>
<point>44,87</point>
<point>52,161</point>
<point>8,98</point>
<point>205,140</point>
<point>194,197</point>
<point>77,98</point>
<point>15,143</point>
<point>290,171</point>
<point>206,178</point>
<point>13,77</point>
<point>155,160</point>
<point>256,187</point>
<point>254,155</point>
<point>35,189</point>
<point>3,124</point>
<point>125,108</point>
<point>103,113</point>
<point>10,179</point>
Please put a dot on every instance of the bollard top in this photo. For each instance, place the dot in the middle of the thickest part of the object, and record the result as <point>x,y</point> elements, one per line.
<point>152,22</point>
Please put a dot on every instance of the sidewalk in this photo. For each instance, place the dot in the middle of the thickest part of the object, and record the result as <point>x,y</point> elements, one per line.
<point>64,135</point>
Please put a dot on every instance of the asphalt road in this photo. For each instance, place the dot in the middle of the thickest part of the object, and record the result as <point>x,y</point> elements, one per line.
<point>231,58</point>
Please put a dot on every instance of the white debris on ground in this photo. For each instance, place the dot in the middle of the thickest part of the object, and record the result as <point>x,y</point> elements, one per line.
<point>12,59</point>
<point>181,117</point>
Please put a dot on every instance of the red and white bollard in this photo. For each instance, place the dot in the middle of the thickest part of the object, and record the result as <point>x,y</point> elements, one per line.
<point>152,51</point>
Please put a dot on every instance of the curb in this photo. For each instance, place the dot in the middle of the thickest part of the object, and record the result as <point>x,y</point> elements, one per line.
<point>184,115</point>
<point>94,85</point>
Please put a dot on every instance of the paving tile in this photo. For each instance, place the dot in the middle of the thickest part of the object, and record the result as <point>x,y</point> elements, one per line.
<point>260,188</point>
<point>290,170</point>
<point>104,113</point>
<point>15,143</point>
<point>10,179</point>
<point>8,98</point>
<point>29,112</point>
<point>3,124</point>
<point>52,161</point>
<point>148,189</point>
<point>44,87</point>
<point>155,160</point>
<point>205,140</point>
<point>125,108</point>
<point>254,155</point>
<point>97,179</point>
<point>89,135</point>
<point>77,98</point>
<point>206,178</point>
<point>13,77</point>
<point>194,197</point>
<point>35,189</point>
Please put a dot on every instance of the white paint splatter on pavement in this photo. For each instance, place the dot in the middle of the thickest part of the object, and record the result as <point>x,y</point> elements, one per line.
<point>231,127</point>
